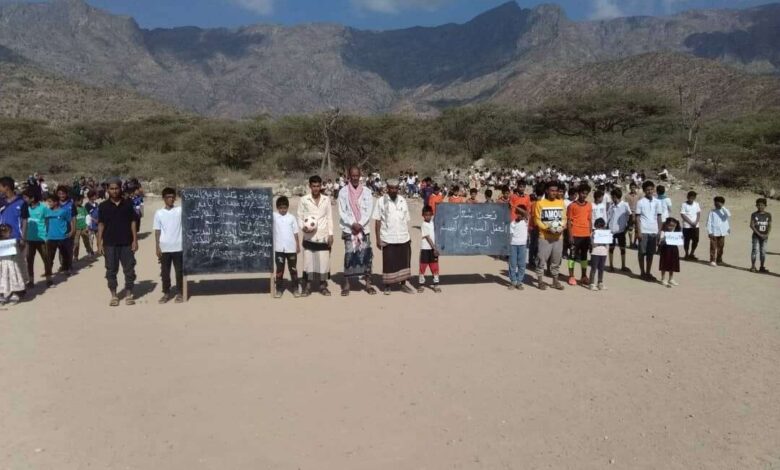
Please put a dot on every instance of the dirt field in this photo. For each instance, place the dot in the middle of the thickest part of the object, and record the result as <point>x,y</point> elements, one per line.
<point>635,377</point>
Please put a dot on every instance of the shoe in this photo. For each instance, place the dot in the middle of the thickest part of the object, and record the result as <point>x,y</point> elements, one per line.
<point>673,282</point>
<point>665,283</point>
<point>387,291</point>
<point>651,278</point>
<point>306,292</point>
<point>406,289</point>
<point>557,285</point>
<point>593,287</point>
<point>164,299</point>
<point>114,301</point>
<point>713,264</point>
<point>278,294</point>
<point>30,285</point>
<point>512,287</point>
<point>2,300</point>
<point>601,286</point>
<point>13,299</point>
<point>572,281</point>
<point>693,258</point>
<point>296,292</point>
<point>585,281</point>
<point>611,269</point>
<point>129,300</point>
<point>763,270</point>
<point>520,286</point>
<point>753,270</point>
<point>421,289</point>
<point>542,285</point>
<point>625,269</point>
<point>178,299</point>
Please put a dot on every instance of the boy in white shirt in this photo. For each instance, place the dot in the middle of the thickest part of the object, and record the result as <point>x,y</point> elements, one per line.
<point>429,253</point>
<point>618,220</point>
<point>599,210</point>
<point>517,248</point>
<point>690,214</point>
<point>286,246</point>
<point>665,201</point>
<point>168,243</point>
<point>718,228</point>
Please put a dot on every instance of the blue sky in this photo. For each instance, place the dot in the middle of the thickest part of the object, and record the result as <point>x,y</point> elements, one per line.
<point>373,14</point>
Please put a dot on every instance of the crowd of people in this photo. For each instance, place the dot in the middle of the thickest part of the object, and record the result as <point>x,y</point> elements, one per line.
<point>583,219</point>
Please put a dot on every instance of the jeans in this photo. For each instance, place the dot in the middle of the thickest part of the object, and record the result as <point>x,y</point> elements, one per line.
<point>759,250</point>
<point>82,236</point>
<point>291,260</point>
<point>533,245</point>
<point>550,252</point>
<point>32,248</point>
<point>165,271</point>
<point>691,240</point>
<point>63,247</point>
<point>517,261</point>
<point>116,255</point>
<point>597,263</point>
<point>716,248</point>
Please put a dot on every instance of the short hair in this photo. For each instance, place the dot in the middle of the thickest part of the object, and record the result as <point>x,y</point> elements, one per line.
<point>282,202</point>
<point>583,188</point>
<point>427,210</point>
<point>455,188</point>
<point>167,191</point>
<point>761,200</point>
<point>62,188</point>
<point>600,223</point>
<point>436,187</point>
<point>691,193</point>
<point>115,181</point>
<point>617,193</point>
<point>91,193</point>
<point>473,191</point>
<point>32,194</point>
<point>8,182</point>
<point>315,179</point>
<point>488,193</point>
<point>551,184</point>
<point>720,199</point>
<point>599,193</point>
<point>505,189</point>
<point>648,184</point>
<point>660,189</point>
<point>632,184</point>
<point>52,197</point>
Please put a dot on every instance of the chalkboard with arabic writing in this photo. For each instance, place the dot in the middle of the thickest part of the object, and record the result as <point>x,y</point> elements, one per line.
<point>227,230</point>
<point>472,229</point>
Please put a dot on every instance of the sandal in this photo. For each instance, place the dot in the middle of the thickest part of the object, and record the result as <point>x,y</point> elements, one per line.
<point>370,290</point>
<point>437,289</point>
<point>387,291</point>
<point>114,302</point>
<point>345,292</point>
<point>420,290</point>
<point>179,299</point>
<point>324,291</point>
<point>129,300</point>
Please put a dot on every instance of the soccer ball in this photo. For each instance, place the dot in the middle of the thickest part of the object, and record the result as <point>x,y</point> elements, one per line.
<point>556,226</point>
<point>310,223</point>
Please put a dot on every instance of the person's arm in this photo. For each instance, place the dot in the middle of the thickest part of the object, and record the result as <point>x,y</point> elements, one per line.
<point>378,223</point>
<point>23,226</point>
<point>134,233</point>
<point>710,224</point>
<point>538,218</point>
<point>684,217</point>
<point>768,227</point>
<point>329,223</point>
<point>346,222</point>
<point>365,215</point>
<point>101,229</point>
<point>157,243</point>
<point>72,232</point>
<point>698,218</point>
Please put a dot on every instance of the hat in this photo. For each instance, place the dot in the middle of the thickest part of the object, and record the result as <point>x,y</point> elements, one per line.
<point>394,182</point>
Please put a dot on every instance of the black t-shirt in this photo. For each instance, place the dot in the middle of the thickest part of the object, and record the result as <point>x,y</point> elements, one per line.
<point>117,220</point>
<point>761,221</point>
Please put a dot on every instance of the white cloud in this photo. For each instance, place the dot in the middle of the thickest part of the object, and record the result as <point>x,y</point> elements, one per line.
<point>396,6</point>
<point>262,7</point>
<point>605,9</point>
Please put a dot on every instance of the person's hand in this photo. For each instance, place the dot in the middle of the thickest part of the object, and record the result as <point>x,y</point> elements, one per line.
<point>159,253</point>
<point>134,246</point>
<point>22,244</point>
<point>330,241</point>
<point>357,228</point>
<point>100,250</point>
<point>381,244</point>
<point>435,252</point>
<point>638,236</point>
<point>297,249</point>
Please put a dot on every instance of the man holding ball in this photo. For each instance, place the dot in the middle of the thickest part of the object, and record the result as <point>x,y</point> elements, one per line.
<point>550,219</point>
<point>317,238</point>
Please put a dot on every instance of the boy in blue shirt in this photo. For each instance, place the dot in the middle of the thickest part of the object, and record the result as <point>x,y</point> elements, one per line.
<point>59,231</point>
<point>35,233</point>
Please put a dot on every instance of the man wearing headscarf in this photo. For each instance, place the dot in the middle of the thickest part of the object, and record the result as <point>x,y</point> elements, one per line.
<point>355,207</point>
<point>392,236</point>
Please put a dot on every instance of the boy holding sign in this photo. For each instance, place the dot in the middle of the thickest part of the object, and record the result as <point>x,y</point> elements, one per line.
<point>602,240</point>
<point>669,242</point>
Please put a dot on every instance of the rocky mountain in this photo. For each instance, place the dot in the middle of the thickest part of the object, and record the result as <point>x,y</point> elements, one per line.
<point>29,93</point>
<point>308,68</point>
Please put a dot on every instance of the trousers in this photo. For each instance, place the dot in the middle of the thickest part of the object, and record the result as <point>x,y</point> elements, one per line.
<point>759,250</point>
<point>690,240</point>
<point>32,248</point>
<point>517,262</point>
<point>114,256</point>
<point>716,248</point>
<point>597,263</point>
<point>62,247</point>
<point>549,255</point>
<point>166,261</point>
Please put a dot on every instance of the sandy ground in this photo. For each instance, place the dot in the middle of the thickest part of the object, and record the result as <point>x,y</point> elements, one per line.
<point>636,377</point>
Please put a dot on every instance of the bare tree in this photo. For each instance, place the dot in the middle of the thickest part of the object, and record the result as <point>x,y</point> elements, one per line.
<point>690,122</point>
<point>328,122</point>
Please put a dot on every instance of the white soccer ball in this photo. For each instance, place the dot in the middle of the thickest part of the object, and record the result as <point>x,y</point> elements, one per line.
<point>310,223</point>
<point>556,226</point>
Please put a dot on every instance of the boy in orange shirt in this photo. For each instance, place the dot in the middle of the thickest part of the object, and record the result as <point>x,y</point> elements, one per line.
<point>579,215</point>
<point>435,198</point>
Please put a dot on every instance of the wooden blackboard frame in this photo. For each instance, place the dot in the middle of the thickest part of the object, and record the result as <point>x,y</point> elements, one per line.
<point>444,241</point>
<point>262,265</point>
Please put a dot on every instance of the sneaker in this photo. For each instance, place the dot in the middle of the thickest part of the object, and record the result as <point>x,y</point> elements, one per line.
<point>572,281</point>
<point>601,286</point>
<point>296,292</point>
<point>164,299</point>
<point>520,287</point>
<point>387,291</point>
<point>278,294</point>
<point>673,282</point>
<point>593,287</point>
<point>13,299</point>
<point>557,285</point>
<point>713,264</point>
<point>665,283</point>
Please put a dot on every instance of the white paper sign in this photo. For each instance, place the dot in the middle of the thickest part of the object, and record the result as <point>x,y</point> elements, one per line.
<point>7,247</point>
<point>602,237</point>
<point>673,238</point>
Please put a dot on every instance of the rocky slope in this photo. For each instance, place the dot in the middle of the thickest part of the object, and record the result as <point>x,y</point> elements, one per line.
<point>307,68</point>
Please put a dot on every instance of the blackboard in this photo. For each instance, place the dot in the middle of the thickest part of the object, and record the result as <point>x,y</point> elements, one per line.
<point>227,230</point>
<point>472,229</point>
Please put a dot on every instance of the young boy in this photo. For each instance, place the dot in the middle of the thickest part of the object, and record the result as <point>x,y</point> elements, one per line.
<point>455,196</point>
<point>59,230</point>
<point>81,229</point>
<point>517,249</point>
<point>488,196</point>
<point>429,253</point>
<point>618,221</point>
<point>504,198</point>
<point>718,228</point>
<point>632,198</point>
<point>690,214</point>
<point>117,240</point>
<point>761,225</point>
<point>168,243</point>
<point>472,196</point>
<point>92,210</point>
<point>286,246</point>
<point>579,215</point>
<point>665,201</point>
<point>550,218</point>
<point>35,235</point>
<point>647,220</point>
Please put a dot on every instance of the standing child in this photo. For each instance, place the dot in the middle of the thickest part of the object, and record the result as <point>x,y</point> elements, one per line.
<point>517,248</point>
<point>598,258</point>
<point>718,228</point>
<point>92,221</point>
<point>286,246</point>
<point>550,219</point>
<point>35,235</point>
<point>761,225</point>
<point>618,221</point>
<point>11,280</point>
<point>579,216</point>
<point>455,196</point>
<point>632,198</point>
<point>429,252</point>
<point>664,200</point>
<point>488,196</point>
<point>472,196</point>
<point>599,206</point>
<point>669,254</point>
<point>168,243</point>
<point>81,229</point>
<point>690,213</point>
<point>60,229</point>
